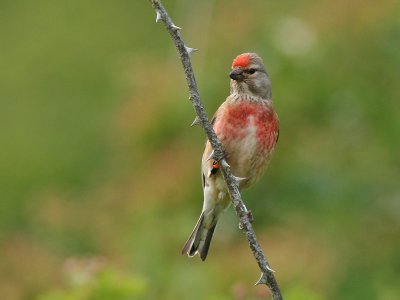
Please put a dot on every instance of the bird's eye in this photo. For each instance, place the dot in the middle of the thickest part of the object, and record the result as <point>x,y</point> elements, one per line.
<point>252,71</point>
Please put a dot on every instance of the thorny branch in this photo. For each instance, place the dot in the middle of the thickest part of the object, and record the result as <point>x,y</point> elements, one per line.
<point>267,276</point>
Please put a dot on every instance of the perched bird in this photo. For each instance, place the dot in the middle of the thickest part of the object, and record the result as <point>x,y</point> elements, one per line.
<point>248,128</point>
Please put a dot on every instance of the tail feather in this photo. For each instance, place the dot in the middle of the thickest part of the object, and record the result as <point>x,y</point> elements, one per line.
<point>189,243</point>
<point>200,238</point>
<point>204,246</point>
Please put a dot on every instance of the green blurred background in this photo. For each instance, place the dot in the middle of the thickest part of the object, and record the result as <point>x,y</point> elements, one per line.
<point>99,169</point>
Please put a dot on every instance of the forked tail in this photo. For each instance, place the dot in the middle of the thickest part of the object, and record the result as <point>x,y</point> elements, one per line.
<point>200,238</point>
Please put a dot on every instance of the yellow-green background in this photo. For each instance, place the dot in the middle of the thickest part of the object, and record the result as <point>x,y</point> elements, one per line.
<point>99,169</point>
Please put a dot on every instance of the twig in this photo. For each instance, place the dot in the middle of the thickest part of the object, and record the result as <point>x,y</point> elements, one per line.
<point>267,276</point>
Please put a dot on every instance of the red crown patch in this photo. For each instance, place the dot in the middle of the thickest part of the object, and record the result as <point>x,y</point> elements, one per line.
<point>241,60</point>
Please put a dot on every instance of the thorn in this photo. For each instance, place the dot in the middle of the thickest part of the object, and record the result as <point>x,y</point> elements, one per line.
<point>239,179</point>
<point>174,27</point>
<point>190,50</point>
<point>269,269</point>
<point>195,122</point>
<point>211,156</point>
<point>216,156</point>
<point>262,280</point>
<point>158,17</point>
<point>225,164</point>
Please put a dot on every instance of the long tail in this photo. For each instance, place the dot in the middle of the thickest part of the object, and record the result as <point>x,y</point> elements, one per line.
<point>200,239</point>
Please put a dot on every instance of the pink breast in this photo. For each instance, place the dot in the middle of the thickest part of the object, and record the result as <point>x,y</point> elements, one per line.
<point>234,120</point>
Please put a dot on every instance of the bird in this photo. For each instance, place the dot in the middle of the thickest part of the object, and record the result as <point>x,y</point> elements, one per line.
<point>248,128</point>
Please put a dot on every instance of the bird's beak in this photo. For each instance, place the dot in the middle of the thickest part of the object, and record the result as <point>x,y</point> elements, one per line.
<point>237,74</point>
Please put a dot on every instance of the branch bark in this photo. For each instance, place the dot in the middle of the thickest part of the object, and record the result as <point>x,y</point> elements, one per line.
<point>267,274</point>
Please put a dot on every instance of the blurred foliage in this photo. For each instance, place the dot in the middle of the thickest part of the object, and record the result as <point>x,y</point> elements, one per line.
<point>87,279</point>
<point>97,158</point>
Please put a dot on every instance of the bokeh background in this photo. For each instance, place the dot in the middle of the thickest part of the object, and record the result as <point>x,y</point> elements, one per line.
<point>99,169</point>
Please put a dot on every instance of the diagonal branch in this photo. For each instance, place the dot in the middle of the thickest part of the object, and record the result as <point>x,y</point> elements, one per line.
<point>267,276</point>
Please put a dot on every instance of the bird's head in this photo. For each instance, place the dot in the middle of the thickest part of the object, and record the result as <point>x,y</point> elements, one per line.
<point>248,76</point>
